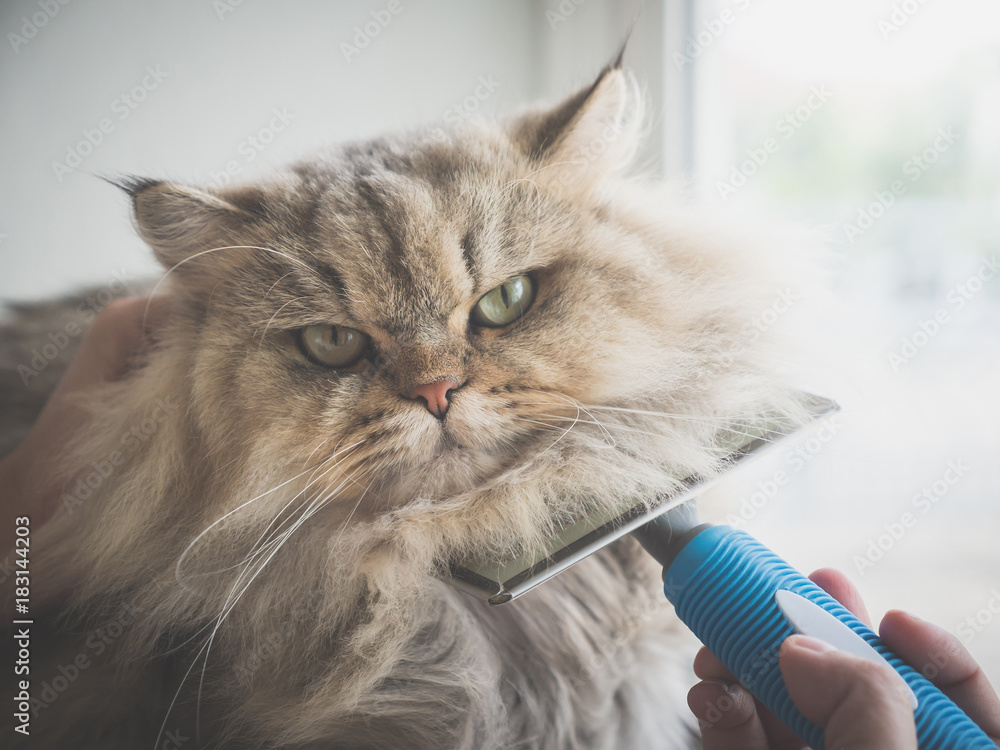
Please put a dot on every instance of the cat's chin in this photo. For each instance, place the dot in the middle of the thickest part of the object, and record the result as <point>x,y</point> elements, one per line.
<point>448,468</point>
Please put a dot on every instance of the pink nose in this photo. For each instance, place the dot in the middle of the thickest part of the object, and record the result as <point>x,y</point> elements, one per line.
<point>435,395</point>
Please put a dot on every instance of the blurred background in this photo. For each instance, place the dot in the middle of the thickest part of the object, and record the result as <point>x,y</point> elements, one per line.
<point>873,123</point>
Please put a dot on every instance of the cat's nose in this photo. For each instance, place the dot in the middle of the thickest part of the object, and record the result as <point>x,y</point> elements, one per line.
<point>435,394</point>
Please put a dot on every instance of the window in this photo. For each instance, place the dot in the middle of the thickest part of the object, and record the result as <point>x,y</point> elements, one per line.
<point>878,124</point>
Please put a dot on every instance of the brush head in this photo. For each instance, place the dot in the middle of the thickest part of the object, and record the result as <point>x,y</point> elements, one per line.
<point>501,581</point>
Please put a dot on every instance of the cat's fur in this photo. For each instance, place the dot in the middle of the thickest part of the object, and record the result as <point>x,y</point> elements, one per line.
<point>344,635</point>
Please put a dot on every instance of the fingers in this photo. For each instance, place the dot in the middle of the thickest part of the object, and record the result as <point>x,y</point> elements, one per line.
<point>938,655</point>
<point>708,667</point>
<point>121,330</point>
<point>728,717</point>
<point>734,729</point>
<point>840,588</point>
<point>858,702</point>
<point>106,354</point>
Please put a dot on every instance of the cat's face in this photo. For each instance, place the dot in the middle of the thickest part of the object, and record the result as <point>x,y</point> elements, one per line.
<point>418,317</point>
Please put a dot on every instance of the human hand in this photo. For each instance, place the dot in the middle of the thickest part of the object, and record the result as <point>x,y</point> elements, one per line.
<point>858,702</point>
<point>106,354</point>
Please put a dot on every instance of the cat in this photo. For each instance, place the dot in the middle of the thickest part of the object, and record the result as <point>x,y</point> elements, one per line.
<point>393,354</point>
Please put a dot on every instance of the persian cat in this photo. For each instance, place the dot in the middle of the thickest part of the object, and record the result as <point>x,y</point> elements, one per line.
<point>400,351</point>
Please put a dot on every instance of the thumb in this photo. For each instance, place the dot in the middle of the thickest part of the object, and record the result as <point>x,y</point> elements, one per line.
<point>859,703</point>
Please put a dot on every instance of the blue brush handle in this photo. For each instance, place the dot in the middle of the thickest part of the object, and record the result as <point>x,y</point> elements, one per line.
<point>723,585</point>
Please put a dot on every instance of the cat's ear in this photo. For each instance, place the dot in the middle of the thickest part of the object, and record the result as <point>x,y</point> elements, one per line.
<point>591,135</point>
<point>181,223</point>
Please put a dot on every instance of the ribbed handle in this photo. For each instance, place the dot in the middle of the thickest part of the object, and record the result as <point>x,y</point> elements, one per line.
<point>723,586</point>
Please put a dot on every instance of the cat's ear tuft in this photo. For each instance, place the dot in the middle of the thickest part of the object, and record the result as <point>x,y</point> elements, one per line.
<point>593,134</point>
<point>179,221</point>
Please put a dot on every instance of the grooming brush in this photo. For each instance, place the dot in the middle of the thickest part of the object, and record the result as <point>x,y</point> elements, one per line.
<point>738,597</point>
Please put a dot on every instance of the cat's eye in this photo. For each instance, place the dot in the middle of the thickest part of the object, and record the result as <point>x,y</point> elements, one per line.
<point>334,346</point>
<point>505,304</point>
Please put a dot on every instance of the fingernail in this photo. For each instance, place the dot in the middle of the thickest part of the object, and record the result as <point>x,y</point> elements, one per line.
<point>733,689</point>
<point>810,644</point>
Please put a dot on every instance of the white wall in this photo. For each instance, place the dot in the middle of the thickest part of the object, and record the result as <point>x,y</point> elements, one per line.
<point>224,78</point>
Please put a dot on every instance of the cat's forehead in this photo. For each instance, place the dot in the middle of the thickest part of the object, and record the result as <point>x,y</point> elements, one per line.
<point>421,232</point>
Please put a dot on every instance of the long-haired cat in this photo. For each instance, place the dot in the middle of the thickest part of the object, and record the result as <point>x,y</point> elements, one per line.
<point>394,353</point>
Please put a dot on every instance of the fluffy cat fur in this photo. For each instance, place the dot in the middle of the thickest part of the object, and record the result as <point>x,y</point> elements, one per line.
<point>267,565</point>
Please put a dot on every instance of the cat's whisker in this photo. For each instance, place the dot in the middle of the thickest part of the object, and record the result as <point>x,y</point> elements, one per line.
<point>608,437</point>
<point>729,424</point>
<point>630,428</point>
<point>553,444</point>
<point>270,320</point>
<point>232,601</point>
<point>688,417</point>
<point>191,257</point>
<point>262,543</point>
<point>306,512</point>
<point>572,402</point>
<point>180,561</point>
<point>280,279</point>
<point>267,538</point>
<point>627,428</point>
<point>245,562</point>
